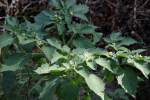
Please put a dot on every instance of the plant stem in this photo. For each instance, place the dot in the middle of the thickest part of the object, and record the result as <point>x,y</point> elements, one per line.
<point>71,39</point>
<point>63,38</point>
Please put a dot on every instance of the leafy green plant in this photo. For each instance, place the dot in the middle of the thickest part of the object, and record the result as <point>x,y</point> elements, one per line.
<point>117,41</point>
<point>55,57</point>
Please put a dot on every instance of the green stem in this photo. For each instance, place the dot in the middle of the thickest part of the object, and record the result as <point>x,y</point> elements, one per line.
<point>71,39</point>
<point>63,38</point>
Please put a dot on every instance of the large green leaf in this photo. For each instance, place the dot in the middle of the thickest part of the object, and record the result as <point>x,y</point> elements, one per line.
<point>46,68</point>
<point>66,49</point>
<point>70,3</point>
<point>94,82</point>
<point>36,27</point>
<point>11,22</point>
<point>48,92</point>
<point>5,40</point>
<point>82,43</point>
<point>110,65</point>
<point>57,56</point>
<point>143,67</point>
<point>84,54</point>
<point>15,62</point>
<point>115,36</point>
<point>44,18</point>
<point>138,51</point>
<point>128,81</point>
<point>80,9</point>
<point>91,64</point>
<point>81,16</point>
<point>96,37</point>
<point>54,42</point>
<point>56,3</point>
<point>48,51</point>
<point>127,41</point>
<point>24,41</point>
<point>68,20</point>
<point>84,28</point>
<point>8,82</point>
<point>61,28</point>
<point>68,90</point>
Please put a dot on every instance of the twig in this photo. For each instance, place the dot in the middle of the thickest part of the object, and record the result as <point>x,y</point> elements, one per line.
<point>134,11</point>
<point>93,2</point>
<point>86,2</point>
<point>28,5</point>
<point>144,4</point>
<point>24,9</point>
<point>109,2</point>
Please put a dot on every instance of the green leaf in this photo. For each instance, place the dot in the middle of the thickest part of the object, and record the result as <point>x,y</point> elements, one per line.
<point>138,51</point>
<point>110,65</point>
<point>94,82</point>
<point>68,90</point>
<point>115,36</point>
<point>127,41</point>
<point>85,28</point>
<point>57,56</point>
<point>121,55</point>
<point>46,68</point>
<point>48,51</point>
<point>70,3</point>
<point>9,68</point>
<point>56,3</point>
<point>24,41</point>
<point>119,39</point>
<point>143,67</point>
<point>91,65</point>
<point>55,43</point>
<point>81,16</point>
<point>15,62</point>
<point>61,28</point>
<point>80,9</point>
<point>8,82</point>
<point>68,20</point>
<point>5,40</point>
<point>48,92</point>
<point>128,81</point>
<point>84,54</point>
<point>98,51</point>
<point>44,18</point>
<point>96,37</point>
<point>32,26</point>
<point>11,22</point>
<point>66,49</point>
<point>119,94</point>
<point>82,43</point>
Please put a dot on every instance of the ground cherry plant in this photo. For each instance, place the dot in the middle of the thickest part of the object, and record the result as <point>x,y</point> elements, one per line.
<point>55,57</point>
